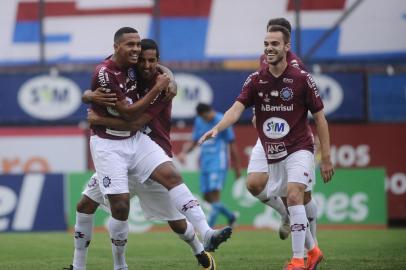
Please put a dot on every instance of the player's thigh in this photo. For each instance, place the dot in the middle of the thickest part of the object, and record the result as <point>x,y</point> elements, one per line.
<point>257,162</point>
<point>155,201</point>
<point>111,159</point>
<point>147,158</point>
<point>300,168</point>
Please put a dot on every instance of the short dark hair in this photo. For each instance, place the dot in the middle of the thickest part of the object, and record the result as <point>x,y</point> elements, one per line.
<point>203,108</point>
<point>280,21</point>
<point>149,44</point>
<point>123,30</point>
<point>284,30</point>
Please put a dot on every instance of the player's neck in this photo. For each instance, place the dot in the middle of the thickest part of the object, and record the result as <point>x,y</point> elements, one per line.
<point>119,63</point>
<point>279,68</point>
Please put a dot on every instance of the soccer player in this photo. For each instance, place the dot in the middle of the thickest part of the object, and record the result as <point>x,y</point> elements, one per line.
<point>282,96</point>
<point>213,160</point>
<point>154,198</point>
<point>257,170</point>
<point>119,153</point>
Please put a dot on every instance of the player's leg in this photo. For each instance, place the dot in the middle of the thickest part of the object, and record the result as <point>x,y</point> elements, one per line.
<point>311,213</point>
<point>211,185</point>
<point>85,210</point>
<point>299,171</point>
<point>111,159</point>
<point>257,181</point>
<point>152,162</point>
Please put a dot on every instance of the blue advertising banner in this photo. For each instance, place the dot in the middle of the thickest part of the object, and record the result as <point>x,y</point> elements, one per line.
<point>56,99</point>
<point>32,98</point>
<point>32,202</point>
<point>387,98</point>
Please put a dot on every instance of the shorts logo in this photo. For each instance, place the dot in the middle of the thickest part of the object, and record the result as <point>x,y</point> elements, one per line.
<point>286,94</point>
<point>275,128</point>
<point>93,182</point>
<point>298,227</point>
<point>190,205</point>
<point>106,181</point>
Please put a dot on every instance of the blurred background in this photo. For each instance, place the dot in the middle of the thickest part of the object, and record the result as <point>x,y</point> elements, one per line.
<point>355,49</point>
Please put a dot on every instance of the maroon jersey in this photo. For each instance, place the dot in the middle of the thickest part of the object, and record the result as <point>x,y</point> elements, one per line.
<point>121,82</point>
<point>291,58</point>
<point>159,128</point>
<point>281,106</point>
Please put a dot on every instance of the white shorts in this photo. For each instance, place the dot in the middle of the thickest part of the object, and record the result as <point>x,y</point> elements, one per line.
<point>298,167</point>
<point>114,160</point>
<point>154,198</point>
<point>258,162</point>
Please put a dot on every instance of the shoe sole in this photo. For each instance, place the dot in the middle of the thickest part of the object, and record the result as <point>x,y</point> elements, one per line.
<point>222,237</point>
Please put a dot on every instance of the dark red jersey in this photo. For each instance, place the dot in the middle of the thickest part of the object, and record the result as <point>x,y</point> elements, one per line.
<point>122,83</point>
<point>281,107</point>
<point>159,127</point>
<point>291,58</point>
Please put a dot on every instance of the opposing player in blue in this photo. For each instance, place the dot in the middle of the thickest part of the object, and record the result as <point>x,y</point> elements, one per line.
<point>213,161</point>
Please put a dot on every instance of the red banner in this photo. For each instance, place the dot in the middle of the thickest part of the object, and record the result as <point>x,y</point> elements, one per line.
<point>352,146</point>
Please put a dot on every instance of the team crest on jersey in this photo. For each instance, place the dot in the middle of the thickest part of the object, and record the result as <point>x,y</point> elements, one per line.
<point>286,94</point>
<point>106,181</point>
<point>131,74</point>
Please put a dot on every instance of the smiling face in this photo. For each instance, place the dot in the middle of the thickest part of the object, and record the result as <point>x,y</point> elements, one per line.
<point>275,47</point>
<point>127,49</point>
<point>147,64</point>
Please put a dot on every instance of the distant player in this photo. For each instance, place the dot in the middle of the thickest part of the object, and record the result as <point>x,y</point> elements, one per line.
<point>257,170</point>
<point>213,160</point>
<point>282,96</point>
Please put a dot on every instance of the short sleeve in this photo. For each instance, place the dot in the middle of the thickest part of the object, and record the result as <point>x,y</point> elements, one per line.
<point>313,99</point>
<point>246,96</point>
<point>106,79</point>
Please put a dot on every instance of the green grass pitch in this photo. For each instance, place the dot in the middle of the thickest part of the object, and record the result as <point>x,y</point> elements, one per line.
<point>246,250</point>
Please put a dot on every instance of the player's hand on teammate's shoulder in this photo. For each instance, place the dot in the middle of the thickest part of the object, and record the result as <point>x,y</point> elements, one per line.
<point>104,97</point>
<point>326,169</point>
<point>92,117</point>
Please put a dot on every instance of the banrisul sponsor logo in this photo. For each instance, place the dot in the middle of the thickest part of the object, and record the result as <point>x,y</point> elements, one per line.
<point>49,97</point>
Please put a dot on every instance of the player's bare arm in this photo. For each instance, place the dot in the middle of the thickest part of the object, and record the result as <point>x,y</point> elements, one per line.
<point>119,124</point>
<point>230,117</point>
<point>172,89</point>
<point>133,111</point>
<point>100,96</point>
<point>326,165</point>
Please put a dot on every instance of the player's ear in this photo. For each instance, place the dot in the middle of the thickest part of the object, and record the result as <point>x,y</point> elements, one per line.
<point>287,46</point>
<point>115,46</point>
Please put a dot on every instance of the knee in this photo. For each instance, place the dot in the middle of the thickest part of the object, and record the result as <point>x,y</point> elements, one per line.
<point>86,205</point>
<point>307,197</point>
<point>256,183</point>
<point>120,207</point>
<point>294,197</point>
<point>178,226</point>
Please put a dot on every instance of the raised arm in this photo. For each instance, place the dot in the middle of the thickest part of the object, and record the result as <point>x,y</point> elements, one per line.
<point>172,89</point>
<point>100,96</point>
<point>326,166</point>
<point>230,117</point>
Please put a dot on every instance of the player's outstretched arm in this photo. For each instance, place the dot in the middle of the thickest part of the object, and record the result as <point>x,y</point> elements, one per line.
<point>133,111</point>
<point>230,117</point>
<point>326,165</point>
<point>235,159</point>
<point>94,119</point>
<point>100,96</point>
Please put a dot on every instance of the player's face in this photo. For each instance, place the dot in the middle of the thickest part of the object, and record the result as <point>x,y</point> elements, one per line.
<point>147,64</point>
<point>275,48</point>
<point>128,48</point>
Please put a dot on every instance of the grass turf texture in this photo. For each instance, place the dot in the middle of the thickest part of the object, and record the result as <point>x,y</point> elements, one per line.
<point>248,250</point>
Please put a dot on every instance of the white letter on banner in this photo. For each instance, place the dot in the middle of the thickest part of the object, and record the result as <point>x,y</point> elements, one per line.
<point>28,202</point>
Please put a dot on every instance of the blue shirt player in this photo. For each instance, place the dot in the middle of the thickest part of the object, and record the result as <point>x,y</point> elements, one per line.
<point>213,160</point>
